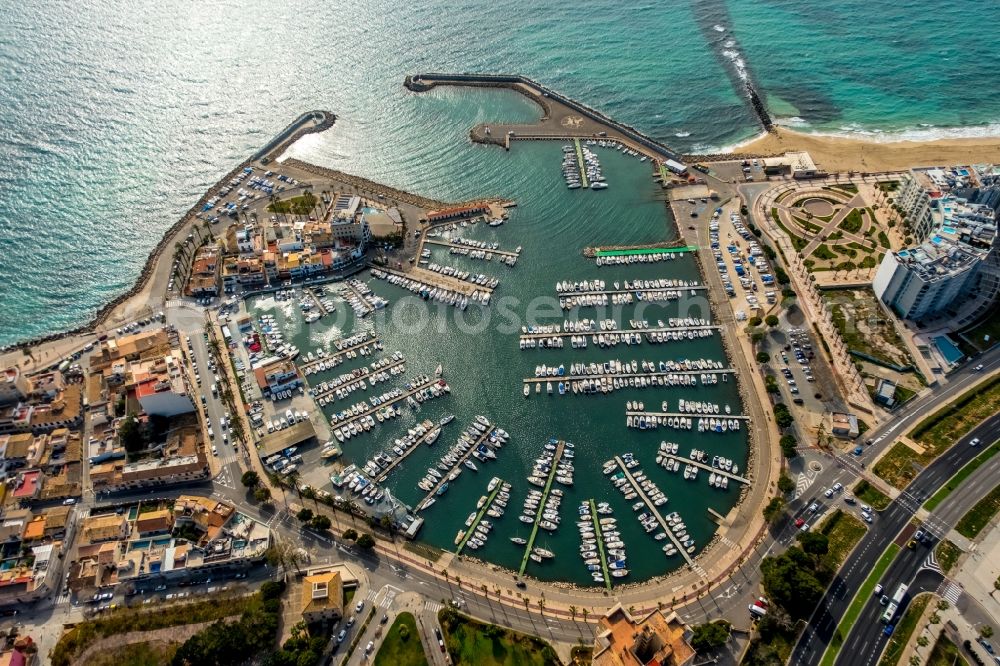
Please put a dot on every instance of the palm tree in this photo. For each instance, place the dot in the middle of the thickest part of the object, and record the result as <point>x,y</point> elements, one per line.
<point>572,612</point>
<point>541,606</point>
<point>584,612</point>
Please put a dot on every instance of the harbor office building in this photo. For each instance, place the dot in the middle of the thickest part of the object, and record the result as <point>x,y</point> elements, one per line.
<point>953,214</point>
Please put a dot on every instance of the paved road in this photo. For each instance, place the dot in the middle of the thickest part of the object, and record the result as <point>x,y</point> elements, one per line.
<point>891,522</point>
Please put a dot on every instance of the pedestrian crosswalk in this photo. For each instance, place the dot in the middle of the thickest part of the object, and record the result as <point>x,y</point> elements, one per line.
<point>433,606</point>
<point>950,591</point>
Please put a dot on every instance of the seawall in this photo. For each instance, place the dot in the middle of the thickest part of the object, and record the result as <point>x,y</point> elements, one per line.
<point>298,128</point>
<point>424,82</point>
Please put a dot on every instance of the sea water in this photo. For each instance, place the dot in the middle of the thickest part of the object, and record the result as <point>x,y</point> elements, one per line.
<point>118,115</point>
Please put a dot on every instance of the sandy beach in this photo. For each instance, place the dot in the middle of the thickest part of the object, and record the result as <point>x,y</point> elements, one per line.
<point>840,154</point>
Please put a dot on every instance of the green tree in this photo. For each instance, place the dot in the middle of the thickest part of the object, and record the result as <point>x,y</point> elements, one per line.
<point>785,483</point>
<point>790,581</point>
<point>262,494</point>
<point>788,444</point>
<point>774,510</point>
<point>320,522</point>
<point>350,534</point>
<point>366,541</point>
<point>814,543</point>
<point>754,321</point>
<point>782,416</point>
<point>771,320</point>
<point>250,479</point>
<point>763,357</point>
<point>130,434</point>
<point>709,636</point>
<point>304,515</point>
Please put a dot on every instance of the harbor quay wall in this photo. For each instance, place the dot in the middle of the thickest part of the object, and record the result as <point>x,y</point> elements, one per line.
<point>423,82</point>
<point>286,137</point>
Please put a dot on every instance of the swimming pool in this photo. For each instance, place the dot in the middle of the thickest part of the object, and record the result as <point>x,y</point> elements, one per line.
<point>948,230</point>
<point>952,354</point>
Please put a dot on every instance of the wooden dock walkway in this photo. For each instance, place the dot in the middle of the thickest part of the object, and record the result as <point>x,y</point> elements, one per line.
<point>695,463</point>
<point>461,461</point>
<point>398,460</point>
<point>479,517</point>
<point>573,378</point>
<point>581,164</point>
<point>560,447</point>
<point>371,410</point>
<point>664,525</point>
<point>600,543</point>
<point>625,331</point>
<point>368,373</point>
<point>471,248</point>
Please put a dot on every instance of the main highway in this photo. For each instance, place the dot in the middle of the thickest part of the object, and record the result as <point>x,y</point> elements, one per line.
<point>891,524</point>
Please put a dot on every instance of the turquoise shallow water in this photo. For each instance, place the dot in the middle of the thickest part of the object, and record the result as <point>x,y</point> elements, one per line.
<point>118,115</point>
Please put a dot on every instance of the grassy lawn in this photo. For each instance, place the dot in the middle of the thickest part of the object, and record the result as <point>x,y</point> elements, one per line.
<point>888,186</point>
<point>883,240</point>
<point>853,222</point>
<point>960,476</point>
<point>947,554</point>
<point>989,325</point>
<point>900,465</point>
<point>401,646</point>
<point>302,204</point>
<point>904,630</point>
<point>950,423</point>
<point>797,242</point>
<point>843,531</point>
<point>857,604</point>
<point>870,495</point>
<point>823,252</point>
<point>945,653</point>
<point>980,515</point>
<point>868,262</point>
<point>478,644</point>
<point>806,224</point>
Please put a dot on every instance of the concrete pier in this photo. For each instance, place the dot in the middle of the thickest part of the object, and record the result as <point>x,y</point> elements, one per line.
<point>625,331</point>
<point>432,280</point>
<point>600,543</point>
<point>572,378</point>
<point>560,447</point>
<point>449,244</point>
<point>664,525</point>
<point>642,290</point>
<point>398,460</point>
<point>371,410</point>
<point>695,463</point>
<point>690,415</point>
<point>367,373</point>
<point>479,517</point>
<point>338,356</point>
<point>421,505</point>
<point>581,164</point>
